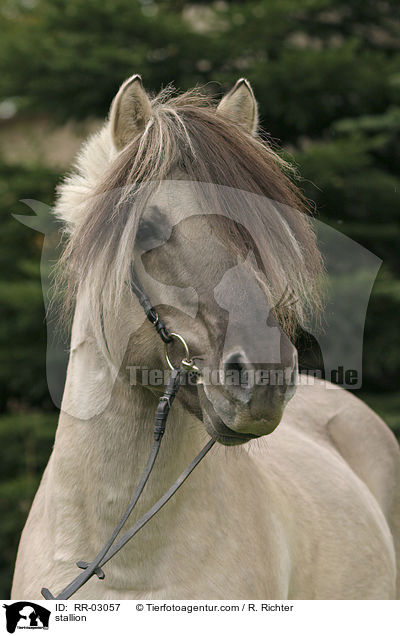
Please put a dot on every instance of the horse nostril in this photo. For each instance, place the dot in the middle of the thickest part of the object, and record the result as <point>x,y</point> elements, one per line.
<point>236,362</point>
<point>237,380</point>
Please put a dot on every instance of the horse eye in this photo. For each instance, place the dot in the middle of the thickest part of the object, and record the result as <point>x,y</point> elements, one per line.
<point>145,231</point>
<point>153,230</point>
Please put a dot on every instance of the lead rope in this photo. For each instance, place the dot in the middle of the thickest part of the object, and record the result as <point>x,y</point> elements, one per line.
<point>162,412</point>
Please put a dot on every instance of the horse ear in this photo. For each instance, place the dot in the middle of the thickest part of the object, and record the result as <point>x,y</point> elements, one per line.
<point>240,106</point>
<point>130,111</point>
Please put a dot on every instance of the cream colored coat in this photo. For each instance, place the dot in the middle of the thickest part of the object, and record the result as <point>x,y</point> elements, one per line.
<point>312,511</point>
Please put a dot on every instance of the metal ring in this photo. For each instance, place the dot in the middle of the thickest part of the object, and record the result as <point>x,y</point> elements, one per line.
<point>187,362</point>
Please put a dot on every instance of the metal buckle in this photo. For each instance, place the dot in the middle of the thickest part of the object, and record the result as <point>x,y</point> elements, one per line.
<point>186,362</point>
<point>153,316</point>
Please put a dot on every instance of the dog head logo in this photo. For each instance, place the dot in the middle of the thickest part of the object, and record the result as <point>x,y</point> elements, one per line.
<point>26,615</point>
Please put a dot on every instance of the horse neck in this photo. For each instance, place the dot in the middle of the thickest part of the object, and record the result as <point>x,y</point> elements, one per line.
<point>96,466</point>
<point>97,462</point>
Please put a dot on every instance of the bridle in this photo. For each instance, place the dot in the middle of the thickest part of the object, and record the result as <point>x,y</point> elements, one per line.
<point>112,546</point>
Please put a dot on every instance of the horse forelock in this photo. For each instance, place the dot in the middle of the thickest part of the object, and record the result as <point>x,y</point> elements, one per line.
<point>186,133</point>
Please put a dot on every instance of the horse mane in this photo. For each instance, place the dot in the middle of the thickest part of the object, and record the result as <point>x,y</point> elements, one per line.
<point>102,200</point>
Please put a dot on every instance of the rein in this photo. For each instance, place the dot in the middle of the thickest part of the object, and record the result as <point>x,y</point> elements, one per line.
<point>164,405</point>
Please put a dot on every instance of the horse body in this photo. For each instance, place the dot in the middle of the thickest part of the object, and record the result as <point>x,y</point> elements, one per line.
<point>286,517</point>
<point>311,510</point>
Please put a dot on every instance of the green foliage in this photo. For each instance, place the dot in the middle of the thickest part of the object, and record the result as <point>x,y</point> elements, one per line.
<point>70,57</point>
<point>22,324</point>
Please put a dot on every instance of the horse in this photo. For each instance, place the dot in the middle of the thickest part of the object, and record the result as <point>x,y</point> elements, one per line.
<point>299,497</point>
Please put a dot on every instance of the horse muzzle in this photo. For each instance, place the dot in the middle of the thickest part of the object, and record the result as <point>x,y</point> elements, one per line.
<point>249,401</point>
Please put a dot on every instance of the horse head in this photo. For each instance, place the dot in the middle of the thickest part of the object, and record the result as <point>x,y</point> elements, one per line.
<point>190,197</point>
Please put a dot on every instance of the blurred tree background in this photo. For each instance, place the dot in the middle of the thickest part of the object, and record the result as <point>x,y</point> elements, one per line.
<point>327,77</point>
